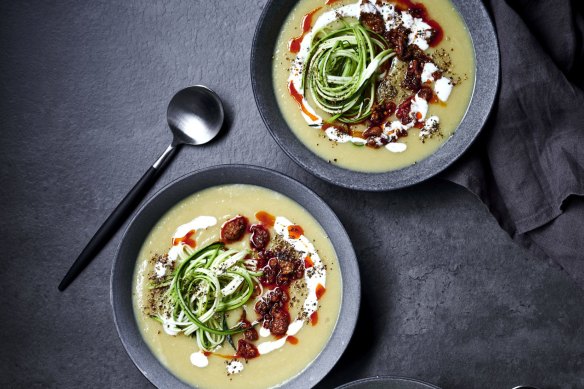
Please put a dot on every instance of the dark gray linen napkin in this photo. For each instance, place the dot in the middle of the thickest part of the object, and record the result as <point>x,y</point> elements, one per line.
<point>527,165</point>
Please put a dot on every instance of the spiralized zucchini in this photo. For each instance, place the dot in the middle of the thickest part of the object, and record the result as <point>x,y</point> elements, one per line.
<point>341,69</point>
<point>204,287</point>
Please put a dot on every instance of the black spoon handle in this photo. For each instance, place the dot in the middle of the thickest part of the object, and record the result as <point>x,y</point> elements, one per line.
<point>117,217</point>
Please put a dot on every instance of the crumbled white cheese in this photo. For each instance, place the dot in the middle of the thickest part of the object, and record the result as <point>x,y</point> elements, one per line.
<point>159,269</point>
<point>428,71</point>
<point>389,15</point>
<point>395,147</point>
<point>234,367</point>
<point>442,88</point>
<point>430,127</point>
<point>368,8</point>
<point>420,30</point>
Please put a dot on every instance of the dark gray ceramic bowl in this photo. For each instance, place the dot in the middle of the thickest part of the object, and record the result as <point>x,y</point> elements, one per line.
<point>487,79</point>
<point>388,382</point>
<point>164,200</point>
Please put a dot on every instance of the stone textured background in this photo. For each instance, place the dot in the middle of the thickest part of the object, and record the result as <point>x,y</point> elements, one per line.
<point>447,297</point>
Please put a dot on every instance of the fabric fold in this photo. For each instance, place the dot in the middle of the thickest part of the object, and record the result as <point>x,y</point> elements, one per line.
<point>529,157</point>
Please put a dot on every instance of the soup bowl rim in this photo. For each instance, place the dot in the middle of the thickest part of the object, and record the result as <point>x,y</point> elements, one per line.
<point>122,273</point>
<point>486,82</point>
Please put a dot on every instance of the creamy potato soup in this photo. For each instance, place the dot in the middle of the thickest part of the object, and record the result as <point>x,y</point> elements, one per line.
<point>373,85</point>
<point>237,286</point>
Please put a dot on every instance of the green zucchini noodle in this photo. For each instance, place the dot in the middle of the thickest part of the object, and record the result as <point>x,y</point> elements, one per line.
<point>204,287</point>
<point>341,69</point>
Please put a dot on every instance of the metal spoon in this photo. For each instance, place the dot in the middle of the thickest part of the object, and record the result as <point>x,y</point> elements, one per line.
<point>195,116</point>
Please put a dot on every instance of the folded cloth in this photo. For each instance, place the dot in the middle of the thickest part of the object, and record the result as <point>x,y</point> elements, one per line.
<point>530,156</point>
<point>561,239</point>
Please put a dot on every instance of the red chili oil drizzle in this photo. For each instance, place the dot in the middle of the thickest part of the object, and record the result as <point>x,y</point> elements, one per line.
<point>320,291</point>
<point>227,356</point>
<point>295,231</point>
<point>403,5</point>
<point>419,11</point>
<point>265,218</point>
<point>294,43</point>
<point>292,339</point>
<point>314,318</point>
<point>438,33</point>
<point>186,239</point>
<point>299,99</point>
<point>436,100</point>
<point>224,356</point>
<point>329,2</point>
<point>308,262</point>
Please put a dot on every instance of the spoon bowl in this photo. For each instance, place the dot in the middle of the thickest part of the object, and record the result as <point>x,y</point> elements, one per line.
<point>195,115</point>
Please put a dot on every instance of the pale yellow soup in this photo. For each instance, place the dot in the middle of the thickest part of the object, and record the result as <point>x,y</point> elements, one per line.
<point>456,43</point>
<point>269,370</point>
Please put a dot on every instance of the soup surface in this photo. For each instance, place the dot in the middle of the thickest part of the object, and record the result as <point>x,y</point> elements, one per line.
<point>312,288</point>
<point>423,70</point>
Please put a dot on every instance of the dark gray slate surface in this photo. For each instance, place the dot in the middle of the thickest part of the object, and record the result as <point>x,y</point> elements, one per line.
<point>447,296</point>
